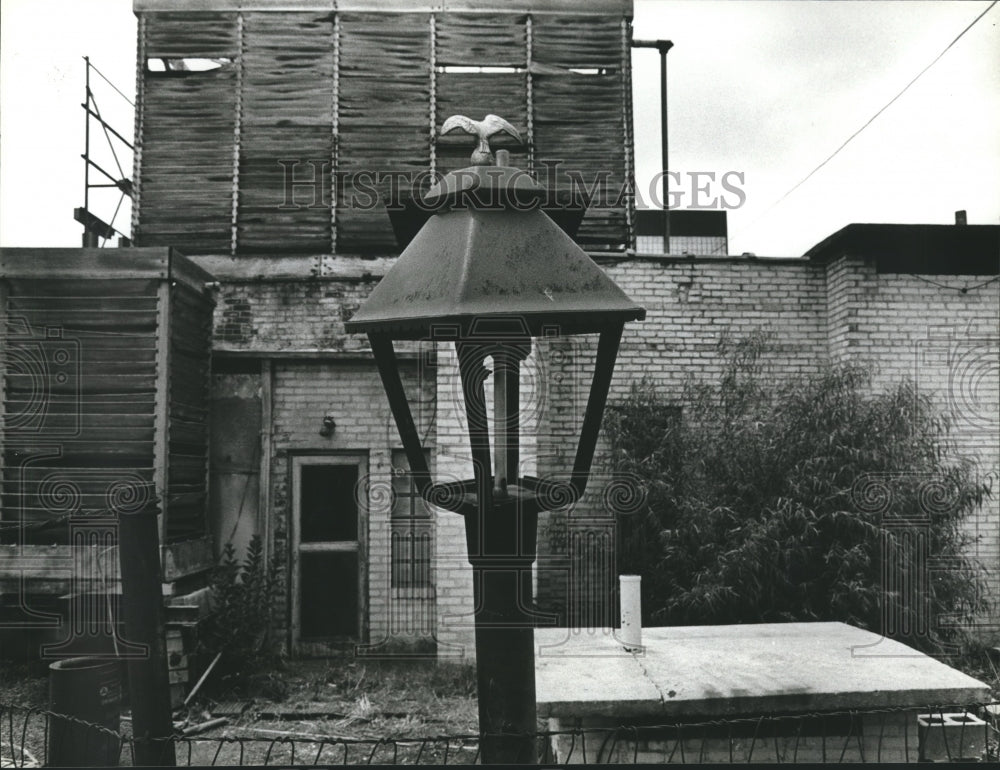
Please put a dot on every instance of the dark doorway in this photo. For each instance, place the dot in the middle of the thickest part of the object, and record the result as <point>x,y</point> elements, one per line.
<point>327,569</point>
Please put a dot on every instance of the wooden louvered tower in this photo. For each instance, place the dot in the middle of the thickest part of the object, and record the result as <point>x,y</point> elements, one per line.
<point>237,99</point>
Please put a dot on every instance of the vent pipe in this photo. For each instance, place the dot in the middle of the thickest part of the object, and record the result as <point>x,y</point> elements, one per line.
<point>631,612</point>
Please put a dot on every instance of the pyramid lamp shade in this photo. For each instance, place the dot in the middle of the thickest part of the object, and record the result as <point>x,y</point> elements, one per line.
<point>488,272</point>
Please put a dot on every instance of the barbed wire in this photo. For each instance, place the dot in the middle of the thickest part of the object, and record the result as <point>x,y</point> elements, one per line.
<point>843,735</point>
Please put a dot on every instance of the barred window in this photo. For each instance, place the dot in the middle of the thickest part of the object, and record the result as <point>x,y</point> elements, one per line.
<point>411,529</point>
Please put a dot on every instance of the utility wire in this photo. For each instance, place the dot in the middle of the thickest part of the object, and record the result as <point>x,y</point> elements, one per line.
<point>870,120</point>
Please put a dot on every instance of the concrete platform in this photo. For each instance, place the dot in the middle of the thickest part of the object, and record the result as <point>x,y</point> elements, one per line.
<point>710,671</point>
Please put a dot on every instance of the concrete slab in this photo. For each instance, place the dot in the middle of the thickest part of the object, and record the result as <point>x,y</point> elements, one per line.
<point>579,669</point>
<point>740,669</point>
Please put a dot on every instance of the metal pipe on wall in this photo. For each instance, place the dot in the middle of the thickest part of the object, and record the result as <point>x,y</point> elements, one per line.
<point>663,46</point>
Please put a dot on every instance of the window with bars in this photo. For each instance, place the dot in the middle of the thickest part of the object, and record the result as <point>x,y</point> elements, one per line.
<point>411,529</point>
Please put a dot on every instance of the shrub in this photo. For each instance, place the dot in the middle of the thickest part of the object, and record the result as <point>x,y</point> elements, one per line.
<point>799,499</point>
<point>239,623</point>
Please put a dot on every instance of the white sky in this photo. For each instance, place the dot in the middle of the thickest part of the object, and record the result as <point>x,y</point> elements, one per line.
<point>768,89</point>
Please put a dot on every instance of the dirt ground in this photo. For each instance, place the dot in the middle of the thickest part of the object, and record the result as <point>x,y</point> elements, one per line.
<point>327,711</point>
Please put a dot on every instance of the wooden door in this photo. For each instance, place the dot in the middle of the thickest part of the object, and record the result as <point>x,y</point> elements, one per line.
<point>329,554</point>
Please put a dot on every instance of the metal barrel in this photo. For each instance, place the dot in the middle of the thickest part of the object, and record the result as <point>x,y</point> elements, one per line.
<point>88,690</point>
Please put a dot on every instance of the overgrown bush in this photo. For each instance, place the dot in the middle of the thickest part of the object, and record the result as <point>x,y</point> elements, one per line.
<point>239,624</point>
<point>799,499</point>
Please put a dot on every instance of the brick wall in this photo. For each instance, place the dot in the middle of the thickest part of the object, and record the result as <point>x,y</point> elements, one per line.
<point>275,316</point>
<point>947,341</point>
<point>921,327</point>
<point>690,306</point>
<point>305,391</point>
<point>819,313</point>
<point>318,370</point>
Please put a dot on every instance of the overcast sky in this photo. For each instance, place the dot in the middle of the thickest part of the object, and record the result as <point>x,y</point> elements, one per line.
<point>763,89</point>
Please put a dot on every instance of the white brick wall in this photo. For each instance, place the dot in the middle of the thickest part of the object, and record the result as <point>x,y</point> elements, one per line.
<point>908,326</point>
<point>305,391</point>
<point>846,310</point>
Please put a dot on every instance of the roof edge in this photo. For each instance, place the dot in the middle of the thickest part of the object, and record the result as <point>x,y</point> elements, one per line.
<point>916,248</point>
<point>570,7</point>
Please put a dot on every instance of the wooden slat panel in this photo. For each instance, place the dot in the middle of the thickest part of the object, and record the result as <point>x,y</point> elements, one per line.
<point>187,522</point>
<point>288,69</point>
<point>186,296</point>
<point>61,267</point>
<point>188,432</point>
<point>618,7</point>
<point>203,35</point>
<point>470,40</point>
<point>495,40</point>
<point>190,389</point>
<point>82,451</point>
<point>187,437</point>
<point>189,412</point>
<point>85,383</point>
<point>384,91</point>
<point>54,283</point>
<point>190,367</point>
<point>85,419</point>
<point>193,323</point>
<point>187,470</point>
<point>83,304</point>
<point>384,99</point>
<point>575,41</point>
<point>137,356</point>
<point>567,128</point>
<point>93,404</point>
<point>187,166</point>
<point>107,407</point>
<point>286,123</point>
<point>46,492</point>
<point>72,321</point>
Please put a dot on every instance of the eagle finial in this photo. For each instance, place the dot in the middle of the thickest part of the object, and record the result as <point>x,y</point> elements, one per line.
<point>483,129</point>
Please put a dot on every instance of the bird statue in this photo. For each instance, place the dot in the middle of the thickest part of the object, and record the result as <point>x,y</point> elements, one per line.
<point>483,129</point>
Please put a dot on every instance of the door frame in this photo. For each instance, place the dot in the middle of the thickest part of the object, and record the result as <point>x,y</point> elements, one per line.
<point>359,459</point>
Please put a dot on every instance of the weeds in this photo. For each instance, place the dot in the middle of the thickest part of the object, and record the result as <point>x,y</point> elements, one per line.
<point>239,625</point>
<point>800,499</point>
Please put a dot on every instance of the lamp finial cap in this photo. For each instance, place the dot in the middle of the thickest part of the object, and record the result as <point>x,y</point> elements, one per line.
<point>483,130</point>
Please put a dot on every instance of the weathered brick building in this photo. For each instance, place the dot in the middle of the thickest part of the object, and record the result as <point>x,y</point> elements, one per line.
<point>255,129</point>
<point>264,139</point>
<point>917,301</point>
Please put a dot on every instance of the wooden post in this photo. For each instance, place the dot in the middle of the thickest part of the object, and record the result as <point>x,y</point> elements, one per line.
<point>142,610</point>
<point>5,330</point>
<point>161,407</point>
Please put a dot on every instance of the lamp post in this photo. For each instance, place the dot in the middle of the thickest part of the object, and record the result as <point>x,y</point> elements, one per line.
<point>490,271</point>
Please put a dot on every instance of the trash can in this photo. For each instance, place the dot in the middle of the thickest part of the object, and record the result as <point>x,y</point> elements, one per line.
<point>88,690</point>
